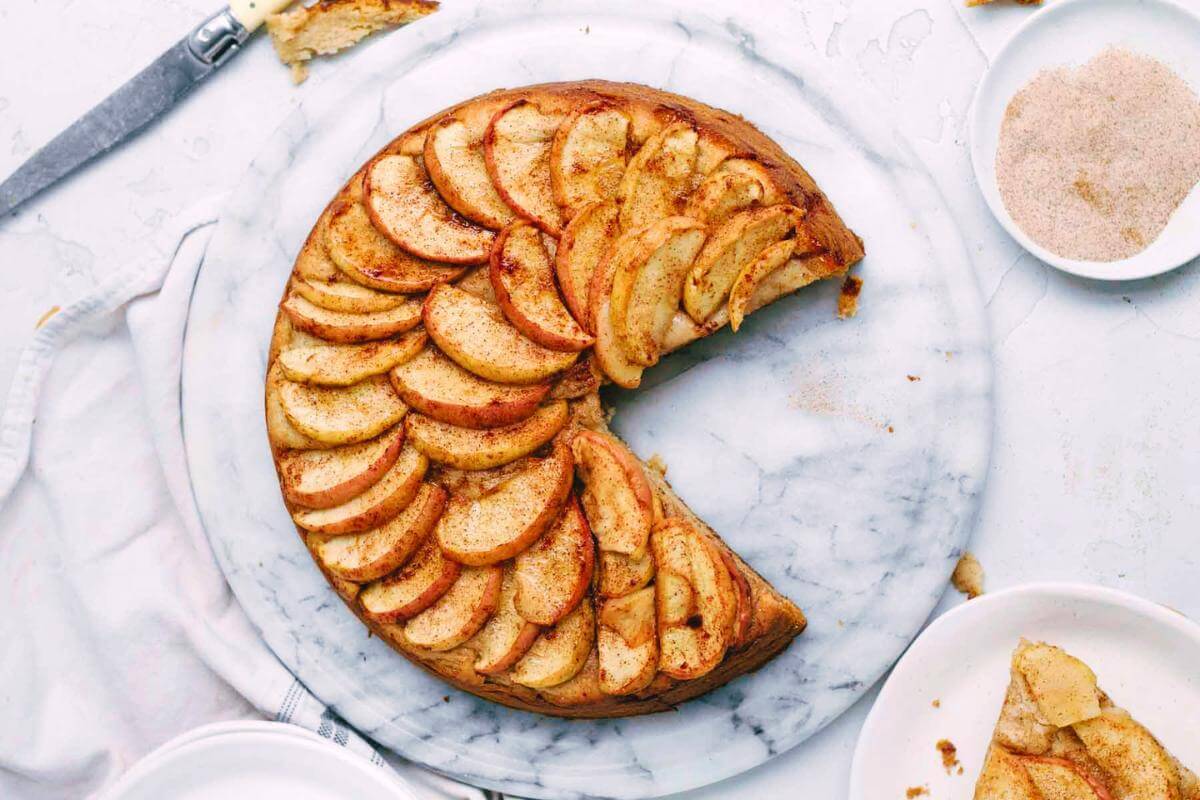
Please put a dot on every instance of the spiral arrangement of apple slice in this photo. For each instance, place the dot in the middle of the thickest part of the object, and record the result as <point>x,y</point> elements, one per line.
<point>432,394</point>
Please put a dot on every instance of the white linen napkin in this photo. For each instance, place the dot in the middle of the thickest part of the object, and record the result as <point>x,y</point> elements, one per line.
<point>118,629</point>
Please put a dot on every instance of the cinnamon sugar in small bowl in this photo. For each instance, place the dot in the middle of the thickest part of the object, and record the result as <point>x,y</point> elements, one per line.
<point>1086,137</point>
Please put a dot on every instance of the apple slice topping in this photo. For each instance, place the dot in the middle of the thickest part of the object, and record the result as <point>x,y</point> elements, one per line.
<point>507,636</point>
<point>522,276</point>
<point>616,495</point>
<point>437,387</point>
<point>733,245</point>
<point>342,415</point>
<point>372,259</point>
<point>374,553</point>
<point>723,194</point>
<point>753,275</point>
<point>610,355</point>
<point>374,507</point>
<point>413,588</point>
<point>582,379</point>
<point>472,448</point>
<point>621,574</point>
<point>280,431</point>
<point>658,176</point>
<point>752,168</point>
<point>516,150</point>
<point>648,286</point>
<point>1060,779</point>
<point>346,328</point>
<point>559,652</point>
<point>477,336</point>
<point>588,155</point>
<point>454,159</point>
<point>347,364</point>
<point>554,573</point>
<point>1137,765</point>
<point>404,205</point>
<point>695,599</point>
<point>326,478</point>
<point>740,626</point>
<point>511,516</point>
<point>459,613</point>
<point>627,643</point>
<point>1063,687</point>
<point>584,242</point>
<point>313,263</point>
<point>342,295</point>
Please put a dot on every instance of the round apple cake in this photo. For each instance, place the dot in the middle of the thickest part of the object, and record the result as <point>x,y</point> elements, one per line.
<point>432,394</point>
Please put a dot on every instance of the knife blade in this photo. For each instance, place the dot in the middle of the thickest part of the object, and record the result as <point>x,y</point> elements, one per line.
<point>145,98</point>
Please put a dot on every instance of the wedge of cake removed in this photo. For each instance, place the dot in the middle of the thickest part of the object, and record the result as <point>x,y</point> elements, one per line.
<point>432,395</point>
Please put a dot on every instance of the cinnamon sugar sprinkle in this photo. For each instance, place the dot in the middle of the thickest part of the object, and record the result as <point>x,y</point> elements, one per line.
<point>1092,161</point>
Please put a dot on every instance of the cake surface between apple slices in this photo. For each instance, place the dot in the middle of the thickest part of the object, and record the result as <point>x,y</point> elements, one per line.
<point>432,393</point>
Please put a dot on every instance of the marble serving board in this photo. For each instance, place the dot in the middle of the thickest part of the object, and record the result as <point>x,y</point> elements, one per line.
<point>843,459</point>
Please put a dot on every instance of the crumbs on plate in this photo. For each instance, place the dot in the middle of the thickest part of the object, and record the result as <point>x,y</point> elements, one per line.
<point>847,304</point>
<point>968,576</point>
<point>916,791</point>
<point>949,756</point>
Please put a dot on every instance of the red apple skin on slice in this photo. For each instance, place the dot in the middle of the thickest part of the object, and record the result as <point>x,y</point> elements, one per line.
<point>584,242</point>
<point>454,159</point>
<point>406,207</point>
<point>365,556</point>
<point>1058,774</point>
<point>522,276</point>
<point>459,613</point>
<point>473,449</point>
<point>617,497</point>
<point>507,636</point>
<point>504,521</point>
<point>610,356</point>
<point>374,507</point>
<point>554,573</point>
<point>516,149</point>
<point>413,588</point>
<point>327,478</point>
<point>588,156</point>
<point>745,611</point>
<point>435,386</point>
<point>342,327</point>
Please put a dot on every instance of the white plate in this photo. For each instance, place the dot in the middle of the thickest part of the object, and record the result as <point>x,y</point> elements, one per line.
<point>1144,655</point>
<point>259,760</point>
<point>1071,32</point>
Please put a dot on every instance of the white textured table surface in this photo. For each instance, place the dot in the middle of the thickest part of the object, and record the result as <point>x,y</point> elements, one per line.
<point>1096,450</point>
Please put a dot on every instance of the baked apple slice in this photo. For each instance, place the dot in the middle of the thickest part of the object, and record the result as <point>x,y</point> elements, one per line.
<point>616,496</point>
<point>658,176</point>
<point>752,168</point>
<point>1140,768</point>
<point>559,652</point>
<point>312,262</point>
<point>610,355</point>
<point>347,364</point>
<point>695,599</point>
<point>511,516</point>
<point>413,588</point>
<point>342,415</point>
<point>326,478</point>
<point>459,613</point>
<point>342,295</point>
<point>753,275</point>
<point>627,643</point>
<point>404,205</point>
<point>477,336</point>
<point>723,194</point>
<point>733,245</point>
<point>343,327</point>
<point>374,507</point>
<point>745,610</point>
<point>372,259</point>
<point>1058,778</point>
<point>522,276</point>
<point>588,155</point>
<point>437,387</point>
<point>647,287</point>
<point>553,574</point>
<point>472,448</point>
<point>507,635</point>
<point>280,431</point>
<point>374,553</point>
<point>620,574</point>
<point>454,159</point>
<point>584,242</point>
<point>516,149</point>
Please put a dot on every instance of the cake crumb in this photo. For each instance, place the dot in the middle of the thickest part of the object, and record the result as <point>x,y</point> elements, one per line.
<point>916,791</point>
<point>937,703</point>
<point>657,464</point>
<point>328,26</point>
<point>913,378</point>
<point>847,304</point>
<point>949,754</point>
<point>968,576</point>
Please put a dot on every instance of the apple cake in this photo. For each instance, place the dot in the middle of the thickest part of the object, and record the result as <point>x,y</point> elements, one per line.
<point>1061,738</point>
<point>432,390</point>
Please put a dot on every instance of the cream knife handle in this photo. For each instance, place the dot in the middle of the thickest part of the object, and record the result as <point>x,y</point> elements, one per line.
<point>252,13</point>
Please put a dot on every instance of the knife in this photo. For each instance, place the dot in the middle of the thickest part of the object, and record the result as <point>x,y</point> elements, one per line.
<point>149,95</point>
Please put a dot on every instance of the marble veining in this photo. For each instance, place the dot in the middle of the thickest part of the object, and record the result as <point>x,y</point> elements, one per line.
<point>843,459</point>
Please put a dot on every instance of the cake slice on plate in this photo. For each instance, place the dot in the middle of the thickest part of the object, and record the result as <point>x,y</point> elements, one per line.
<point>1060,737</point>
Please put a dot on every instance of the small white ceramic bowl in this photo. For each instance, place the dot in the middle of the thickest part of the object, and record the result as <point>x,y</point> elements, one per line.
<point>1144,655</point>
<point>1071,32</point>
